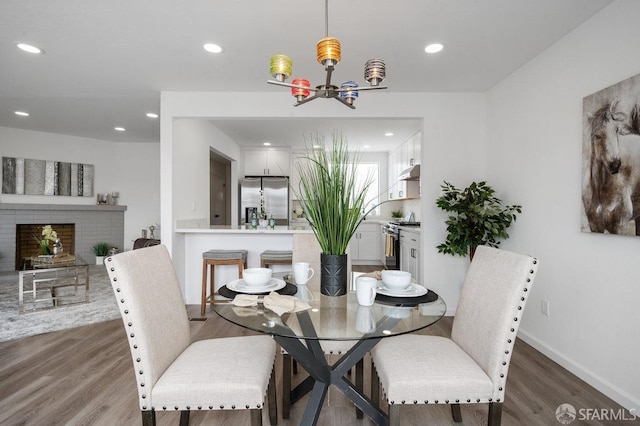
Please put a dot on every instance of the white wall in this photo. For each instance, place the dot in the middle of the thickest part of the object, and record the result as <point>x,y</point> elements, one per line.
<point>129,168</point>
<point>534,158</point>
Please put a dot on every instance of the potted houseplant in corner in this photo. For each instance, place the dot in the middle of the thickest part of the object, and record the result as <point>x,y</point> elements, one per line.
<point>100,250</point>
<point>477,217</point>
<point>332,196</point>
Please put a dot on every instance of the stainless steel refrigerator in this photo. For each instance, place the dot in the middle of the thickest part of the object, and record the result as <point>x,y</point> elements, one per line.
<point>276,198</point>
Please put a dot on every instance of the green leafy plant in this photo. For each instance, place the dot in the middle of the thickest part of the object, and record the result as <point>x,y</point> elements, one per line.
<point>101,249</point>
<point>396,214</point>
<point>331,193</point>
<point>478,218</point>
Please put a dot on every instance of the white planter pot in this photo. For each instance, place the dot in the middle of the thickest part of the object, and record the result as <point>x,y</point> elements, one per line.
<point>100,260</point>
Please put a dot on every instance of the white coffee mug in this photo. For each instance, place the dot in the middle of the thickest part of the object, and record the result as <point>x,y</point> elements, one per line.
<point>366,290</point>
<point>365,319</point>
<point>302,273</point>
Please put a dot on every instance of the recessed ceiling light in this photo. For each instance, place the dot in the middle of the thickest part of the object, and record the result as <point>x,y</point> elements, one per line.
<point>152,115</point>
<point>212,48</point>
<point>266,143</point>
<point>120,129</point>
<point>30,48</point>
<point>389,134</point>
<point>366,146</point>
<point>21,113</point>
<point>433,48</point>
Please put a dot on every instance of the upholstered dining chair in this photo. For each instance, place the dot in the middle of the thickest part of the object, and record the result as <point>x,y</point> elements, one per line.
<point>472,366</point>
<point>307,249</point>
<point>172,373</point>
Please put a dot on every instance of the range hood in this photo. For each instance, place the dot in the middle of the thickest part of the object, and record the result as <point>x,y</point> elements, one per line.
<point>411,173</point>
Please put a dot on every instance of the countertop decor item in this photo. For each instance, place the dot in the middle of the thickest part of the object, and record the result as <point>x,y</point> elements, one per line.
<point>328,54</point>
<point>332,197</point>
<point>477,217</point>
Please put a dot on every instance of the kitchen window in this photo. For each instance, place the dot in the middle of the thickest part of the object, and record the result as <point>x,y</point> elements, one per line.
<point>372,197</point>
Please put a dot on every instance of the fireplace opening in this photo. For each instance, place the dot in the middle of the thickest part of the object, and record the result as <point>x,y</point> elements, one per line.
<point>28,234</point>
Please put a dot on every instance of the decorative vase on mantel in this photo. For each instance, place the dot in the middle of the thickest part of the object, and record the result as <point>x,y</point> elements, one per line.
<point>333,274</point>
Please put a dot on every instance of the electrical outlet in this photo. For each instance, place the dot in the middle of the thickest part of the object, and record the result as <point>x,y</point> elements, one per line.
<point>544,307</point>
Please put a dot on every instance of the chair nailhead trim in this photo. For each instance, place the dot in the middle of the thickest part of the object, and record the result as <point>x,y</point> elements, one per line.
<point>498,400</point>
<point>478,400</point>
<point>144,407</point>
<point>446,401</point>
<point>141,385</point>
<point>126,311</point>
<point>500,388</point>
<point>118,290</point>
<point>233,407</point>
<point>392,402</point>
<point>188,408</point>
<point>436,401</point>
<point>164,408</point>
<point>457,401</point>
<point>415,402</point>
<point>258,406</point>
<point>137,359</point>
<point>144,396</point>
<point>140,371</point>
<point>211,407</point>
<point>246,406</point>
<point>403,401</point>
<point>129,324</point>
<point>176,407</point>
<point>468,400</point>
<point>222,407</point>
<point>199,407</point>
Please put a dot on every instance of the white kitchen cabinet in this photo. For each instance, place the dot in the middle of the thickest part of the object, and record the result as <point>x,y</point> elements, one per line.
<point>262,162</point>
<point>410,253</point>
<point>366,244</point>
<point>400,159</point>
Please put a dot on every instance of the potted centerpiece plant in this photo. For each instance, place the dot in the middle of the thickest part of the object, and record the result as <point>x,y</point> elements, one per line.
<point>332,196</point>
<point>100,250</point>
<point>477,217</point>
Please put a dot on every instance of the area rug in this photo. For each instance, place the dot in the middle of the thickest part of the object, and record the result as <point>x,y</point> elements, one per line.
<point>102,307</point>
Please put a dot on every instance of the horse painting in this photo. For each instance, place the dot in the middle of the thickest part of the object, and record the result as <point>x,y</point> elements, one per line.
<point>612,198</point>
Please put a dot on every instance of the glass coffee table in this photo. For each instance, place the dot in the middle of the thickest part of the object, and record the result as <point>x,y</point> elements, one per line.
<point>52,282</point>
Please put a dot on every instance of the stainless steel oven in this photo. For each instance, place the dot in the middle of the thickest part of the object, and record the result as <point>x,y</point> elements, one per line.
<point>391,245</point>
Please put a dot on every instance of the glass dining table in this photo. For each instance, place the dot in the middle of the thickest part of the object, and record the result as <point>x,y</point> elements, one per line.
<point>335,318</point>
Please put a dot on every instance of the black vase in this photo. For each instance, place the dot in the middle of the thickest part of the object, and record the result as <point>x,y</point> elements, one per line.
<point>333,274</point>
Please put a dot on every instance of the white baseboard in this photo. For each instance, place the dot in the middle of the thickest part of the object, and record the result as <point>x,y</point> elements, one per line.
<point>618,395</point>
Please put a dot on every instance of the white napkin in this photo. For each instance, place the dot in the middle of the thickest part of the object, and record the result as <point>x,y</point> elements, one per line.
<point>273,301</point>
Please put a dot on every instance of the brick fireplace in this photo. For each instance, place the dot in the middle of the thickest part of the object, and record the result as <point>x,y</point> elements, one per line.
<point>91,224</point>
<point>26,234</point>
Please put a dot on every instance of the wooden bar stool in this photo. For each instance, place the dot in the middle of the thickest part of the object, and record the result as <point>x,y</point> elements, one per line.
<point>275,257</point>
<point>212,258</point>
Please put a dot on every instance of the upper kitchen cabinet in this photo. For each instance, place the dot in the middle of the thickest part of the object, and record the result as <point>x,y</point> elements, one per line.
<point>263,162</point>
<point>294,178</point>
<point>400,159</point>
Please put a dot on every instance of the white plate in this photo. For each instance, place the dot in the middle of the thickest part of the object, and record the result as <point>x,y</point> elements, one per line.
<point>239,286</point>
<point>413,290</point>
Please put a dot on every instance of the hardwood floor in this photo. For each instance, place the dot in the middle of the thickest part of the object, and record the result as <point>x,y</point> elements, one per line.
<point>84,376</point>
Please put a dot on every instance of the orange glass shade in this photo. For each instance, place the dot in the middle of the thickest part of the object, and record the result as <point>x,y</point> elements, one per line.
<point>329,50</point>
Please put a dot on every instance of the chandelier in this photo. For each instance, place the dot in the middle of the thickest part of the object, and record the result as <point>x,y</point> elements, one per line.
<point>328,50</point>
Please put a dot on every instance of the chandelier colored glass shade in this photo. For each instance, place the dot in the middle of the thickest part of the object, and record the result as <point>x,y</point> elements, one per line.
<point>329,51</point>
<point>374,71</point>
<point>349,95</point>
<point>300,94</point>
<point>281,67</point>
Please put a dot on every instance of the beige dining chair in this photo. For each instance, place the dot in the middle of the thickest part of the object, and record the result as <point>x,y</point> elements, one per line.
<point>172,373</point>
<point>472,366</point>
<point>307,249</point>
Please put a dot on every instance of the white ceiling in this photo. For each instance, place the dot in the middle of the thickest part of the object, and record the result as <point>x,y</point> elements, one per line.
<point>106,62</point>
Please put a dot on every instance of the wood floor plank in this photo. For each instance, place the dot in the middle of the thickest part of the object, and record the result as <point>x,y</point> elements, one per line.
<point>84,376</point>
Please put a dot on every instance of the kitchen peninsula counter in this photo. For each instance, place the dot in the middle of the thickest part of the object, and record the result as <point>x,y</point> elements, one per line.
<point>196,238</point>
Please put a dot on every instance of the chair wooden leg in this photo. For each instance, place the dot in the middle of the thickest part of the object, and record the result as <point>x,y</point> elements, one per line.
<point>495,413</point>
<point>394,415</point>
<point>456,413</point>
<point>256,417</point>
<point>359,383</point>
<point>184,418</point>
<point>375,386</point>
<point>286,385</point>
<point>272,399</point>
<point>203,304</point>
<point>149,418</point>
